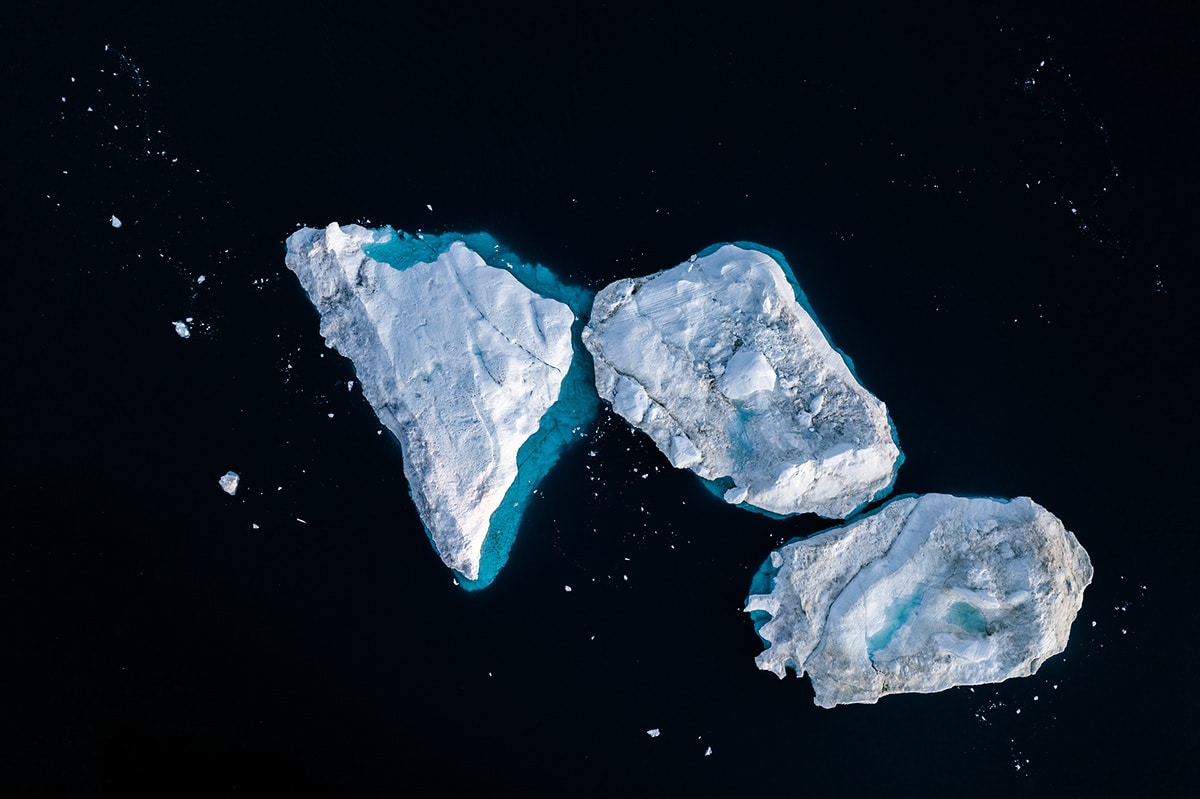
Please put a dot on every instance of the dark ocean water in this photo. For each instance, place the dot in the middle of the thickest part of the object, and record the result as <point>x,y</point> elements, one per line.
<point>991,211</point>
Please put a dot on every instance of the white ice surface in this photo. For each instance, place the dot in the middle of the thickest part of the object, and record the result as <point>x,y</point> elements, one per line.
<point>229,482</point>
<point>182,329</point>
<point>929,592</point>
<point>459,360</point>
<point>718,362</point>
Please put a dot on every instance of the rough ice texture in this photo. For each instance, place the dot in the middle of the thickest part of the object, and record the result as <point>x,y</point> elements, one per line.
<point>720,364</point>
<point>459,360</point>
<point>927,593</point>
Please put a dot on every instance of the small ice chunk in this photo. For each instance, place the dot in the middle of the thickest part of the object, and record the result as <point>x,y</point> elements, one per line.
<point>114,221</point>
<point>654,733</point>
<point>200,279</point>
<point>708,751</point>
<point>229,482</point>
<point>182,329</point>
<point>567,588</point>
<point>736,495</point>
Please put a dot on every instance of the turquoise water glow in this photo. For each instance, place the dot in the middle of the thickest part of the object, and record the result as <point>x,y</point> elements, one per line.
<point>968,617</point>
<point>897,614</point>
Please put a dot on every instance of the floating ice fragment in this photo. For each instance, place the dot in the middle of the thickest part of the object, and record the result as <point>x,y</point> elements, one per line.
<point>491,354</point>
<point>736,495</point>
<point>114,221</point>
<point>182,329</point>
<point>920,596</point>
<point>719,361</point>
<point>654,733</point>
<point>200,279</point>
<point>567,588</point>
<point>708,751</point>
<point>229,482</point>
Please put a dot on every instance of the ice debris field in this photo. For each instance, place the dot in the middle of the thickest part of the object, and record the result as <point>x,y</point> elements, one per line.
<point>485,369</point>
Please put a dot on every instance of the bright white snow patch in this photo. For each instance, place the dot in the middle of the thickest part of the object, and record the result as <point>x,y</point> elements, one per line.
<point>654,733</point>
<point>182,329</point>
<point>927,593</point>
<point>229,482</point>
<point>720,364</point>
<point>114,221</point>
<point>746,373</point>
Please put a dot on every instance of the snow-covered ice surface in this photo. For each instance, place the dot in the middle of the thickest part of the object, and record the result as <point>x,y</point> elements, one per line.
<point>461,360</point>
<point>720,361</point>
<point>926,593</point>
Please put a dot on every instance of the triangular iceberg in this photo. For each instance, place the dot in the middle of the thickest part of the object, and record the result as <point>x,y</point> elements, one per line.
<point>472,370</point>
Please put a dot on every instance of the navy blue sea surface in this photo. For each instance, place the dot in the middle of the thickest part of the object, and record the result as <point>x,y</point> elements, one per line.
<point>987,209</point>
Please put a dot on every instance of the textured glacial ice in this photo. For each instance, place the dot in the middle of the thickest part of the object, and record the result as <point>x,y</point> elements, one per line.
<point>926,593</point>
<point>466,356</point>
<point>720,361</point>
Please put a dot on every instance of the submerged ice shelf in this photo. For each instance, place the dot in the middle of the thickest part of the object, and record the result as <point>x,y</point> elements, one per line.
<point>924,594</point>
<point>722,364</point>
<point>466,356</point>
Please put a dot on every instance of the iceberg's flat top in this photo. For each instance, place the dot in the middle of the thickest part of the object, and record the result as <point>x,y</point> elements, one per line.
<point>718,361</point>
<point>927,593</point>
<point>458,358</point>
